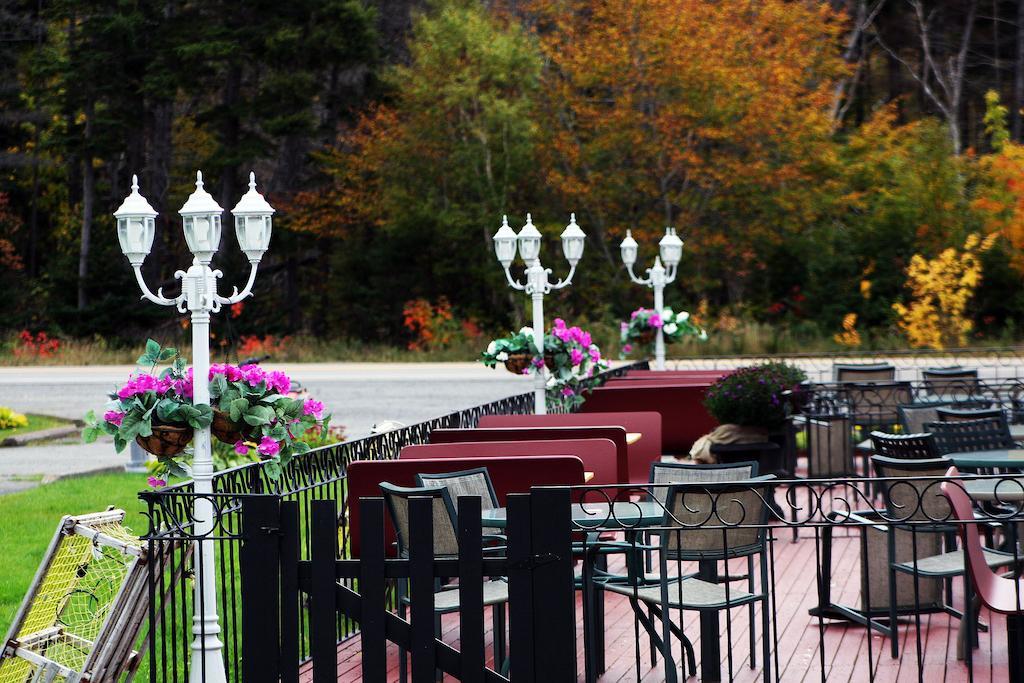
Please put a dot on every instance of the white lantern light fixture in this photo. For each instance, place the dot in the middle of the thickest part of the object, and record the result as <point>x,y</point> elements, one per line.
<point>201,223</point>
<point>671,248</point>
<point>529,241</point>
<point>136,225</point>
<point>629,249</point>
<point>573,241</point>
<point>253,216</point>
<point>505,243</point>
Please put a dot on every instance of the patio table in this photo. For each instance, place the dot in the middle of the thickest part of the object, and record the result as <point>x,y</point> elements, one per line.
<point>1002,458</point>
<point>632,517</point>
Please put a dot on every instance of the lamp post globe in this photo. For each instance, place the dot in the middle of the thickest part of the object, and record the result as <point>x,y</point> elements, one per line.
<point>136,225</point>
<point>573,241</point>
<point>201,217</point>
<point>671,248</point>
<point>505,244</point>
<point>529,241</point>
<point>253,222</point>
<point>628,247</point>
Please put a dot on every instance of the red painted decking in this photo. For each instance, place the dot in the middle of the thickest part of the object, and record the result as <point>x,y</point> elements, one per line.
<point>845,646</point>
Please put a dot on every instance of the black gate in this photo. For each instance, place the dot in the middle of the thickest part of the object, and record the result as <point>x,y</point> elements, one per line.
<point>277,585</point>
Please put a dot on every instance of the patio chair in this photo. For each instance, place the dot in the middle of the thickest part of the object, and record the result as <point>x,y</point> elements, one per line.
<point>918,507</point>
<point>914,416</point>
<point>1004,595</point>
<point>951,381</point>
<point>875,404</point>
<point>863,372</point>
<point>446,598</point>
<point>475,482</point>
<point>705,524</point>
<point>986,434</point>
<point>918,446</point>
<point>959,414</point>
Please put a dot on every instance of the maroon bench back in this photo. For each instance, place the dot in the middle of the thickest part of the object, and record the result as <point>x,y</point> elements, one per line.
<point>617,435</point>
<point>640,455</point>
<point>598,455</point>
<point>677,375</point>
<point>509,475</point>
<point>684,417</point>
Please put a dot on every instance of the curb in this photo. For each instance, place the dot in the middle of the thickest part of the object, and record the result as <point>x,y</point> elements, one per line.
<point>41,435</point>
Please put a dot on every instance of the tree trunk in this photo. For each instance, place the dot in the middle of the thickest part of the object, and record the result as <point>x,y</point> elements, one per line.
<point>88,200</point>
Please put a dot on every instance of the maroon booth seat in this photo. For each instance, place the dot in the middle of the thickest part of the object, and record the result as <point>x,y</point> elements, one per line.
<point>509,475</point>
<point>598,455</point>
<point>686,375</point>
<point>684,417</point>
<point>616,434</point>
<point>640,455</point>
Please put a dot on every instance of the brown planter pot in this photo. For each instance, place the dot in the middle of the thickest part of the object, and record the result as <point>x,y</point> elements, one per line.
<point>646,337</point>
<point>166,440</point>
<point>517,362</point>
<point>224,429</point>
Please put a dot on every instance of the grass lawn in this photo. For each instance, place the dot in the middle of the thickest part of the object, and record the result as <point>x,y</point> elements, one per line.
<point>35,424</point>
<point>29,519</point>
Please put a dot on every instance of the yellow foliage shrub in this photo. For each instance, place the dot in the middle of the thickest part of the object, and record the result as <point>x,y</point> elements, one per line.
<point>941,288</point>
<point>849,336</point>
<point>11,420</point>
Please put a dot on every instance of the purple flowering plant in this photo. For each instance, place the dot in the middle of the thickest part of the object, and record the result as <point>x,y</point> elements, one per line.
<point>754,396</point>
<point>575,359</point>
<point>273,421</point>
<point>149,399</point>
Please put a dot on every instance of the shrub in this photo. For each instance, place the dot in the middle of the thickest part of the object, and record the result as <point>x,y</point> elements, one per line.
<point>753,396</point>
<point>11,420</point>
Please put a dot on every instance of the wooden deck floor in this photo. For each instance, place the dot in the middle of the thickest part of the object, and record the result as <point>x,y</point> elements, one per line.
<point>849,653</point>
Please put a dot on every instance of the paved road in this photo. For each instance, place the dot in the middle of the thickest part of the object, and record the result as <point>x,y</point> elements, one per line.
<point>359,394</point>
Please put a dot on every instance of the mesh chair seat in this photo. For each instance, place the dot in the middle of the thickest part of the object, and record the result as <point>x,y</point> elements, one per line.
<point>689,594</point>
<point>495,593</point>
<point>863,372</point>
<point>905,446</point>
<point>915,416</point>
<point>972,435</point>
<point>951,563</point>
<point>681,473</point>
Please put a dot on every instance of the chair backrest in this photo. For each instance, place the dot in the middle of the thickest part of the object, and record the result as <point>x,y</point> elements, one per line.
<point>997,593</point>
<point>972,435</point>
<point>863,372</point>
<point>687,473</point>
<point>875,403</point>
<point>702,513</point>
<point>829,450</point>
<point>475,482</point>
<point>913,500</point>
<point>914,416</point>
<point>951,414</point>
<point>919,446</point>
<point>942,381</point>
<point>396,499</point>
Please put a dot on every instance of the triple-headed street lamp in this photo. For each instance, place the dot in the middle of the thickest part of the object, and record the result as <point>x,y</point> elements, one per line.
<point>670,250</point>
<point>201,218</point>
<point>537,283</point>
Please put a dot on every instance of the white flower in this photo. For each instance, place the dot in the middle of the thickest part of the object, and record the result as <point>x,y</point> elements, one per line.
<point>503,356</point>
<point>682,317</point>
<point>703,335</point>
<point>552,381</point>
<point>671,328</point>
<point>492,347</point>
<point>528,331</point>
<point>666,314</point>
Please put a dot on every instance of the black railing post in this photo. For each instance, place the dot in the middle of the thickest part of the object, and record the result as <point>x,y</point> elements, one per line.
<point>471,595</point>
<point>421,589</point>
<point>522,639</point>
<point>260,567</point>
<point>371,587</point>
<point>323,642</point>
<point>290,601</point>
<point>554,598</point>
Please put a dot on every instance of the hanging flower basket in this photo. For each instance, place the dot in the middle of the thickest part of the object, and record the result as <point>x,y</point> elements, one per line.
<point>166,440</point>
<point>646,337</point>
<point>518,362</point>
<point>226,430</point>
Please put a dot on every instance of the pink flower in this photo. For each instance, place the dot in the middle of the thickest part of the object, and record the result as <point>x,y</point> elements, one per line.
<point>138,384</point>
<point>279,381</point>
<point>567,391</point>
<point>576,356</point>
<point>253,374</point>
<point>114,417</point>
<point>156,482</point>
<point>526,371</point>
<point>241,448</point>
<point>623,326</point>
<point>595,354</point>
<point>268,447</point>
<point>655,321</point>
<point>634,314</point>
<point>314,408</point>
<point>229,371</point>
<point>628,348</point>
<point>559,324</point>
<point>538,362</point>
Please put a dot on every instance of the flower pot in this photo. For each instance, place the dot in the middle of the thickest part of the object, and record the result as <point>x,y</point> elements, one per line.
<point>225,429</point>
<point>647,336</point>
<point>517,362</point>
<point>166,440</point>
<point>549,361</point>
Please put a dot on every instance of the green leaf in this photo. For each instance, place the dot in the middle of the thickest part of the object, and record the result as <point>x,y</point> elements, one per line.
<point>145,428</point>
<point>167,354</point>
<point>120,443</point>
<point>91,433</point>
<point>201,416</point>
<point>130,425</point>
<point>152,348</point>
<point>169,411</point>
<point>272,468</point>
<point>258,415</point>
<point>236,408</point>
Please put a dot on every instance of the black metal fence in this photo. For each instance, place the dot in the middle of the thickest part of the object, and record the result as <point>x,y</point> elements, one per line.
<point>314,476</point>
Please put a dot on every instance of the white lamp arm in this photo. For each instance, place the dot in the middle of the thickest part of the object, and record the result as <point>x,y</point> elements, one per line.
<point>514,284</point>
<point>567,281</point>
<point>634,278</point>
<point>237,296</point>
<point>159,297</point>
<point>670,274</point>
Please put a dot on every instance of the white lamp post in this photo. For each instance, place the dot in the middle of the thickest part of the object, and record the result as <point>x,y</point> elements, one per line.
<point>201,218</point>
<point>537,283</point>
<point>670,250</point>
